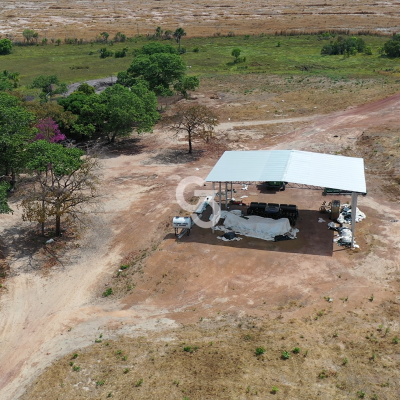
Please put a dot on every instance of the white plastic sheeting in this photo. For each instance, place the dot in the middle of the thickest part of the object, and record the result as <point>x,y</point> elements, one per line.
<point>258,227</point>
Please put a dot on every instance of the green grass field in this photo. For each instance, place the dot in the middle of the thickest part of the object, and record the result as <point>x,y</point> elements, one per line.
<point>267,54</point>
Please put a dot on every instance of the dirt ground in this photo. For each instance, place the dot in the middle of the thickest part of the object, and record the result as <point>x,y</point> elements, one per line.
<point>87,19</point>
<point>172,285</point>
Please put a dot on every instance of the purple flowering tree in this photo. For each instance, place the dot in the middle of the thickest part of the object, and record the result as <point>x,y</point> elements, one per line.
<point>49,130</point>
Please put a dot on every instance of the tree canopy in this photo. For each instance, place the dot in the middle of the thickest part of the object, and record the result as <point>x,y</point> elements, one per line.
<point>178,35</point>
<point>5,46</point>
<point>346,46</point>
<point>64,182</point>
<point>392,47</point>
<point>160,70</point>
<point>49,85</point>
<point>196,120</point>
<point>15,130</point>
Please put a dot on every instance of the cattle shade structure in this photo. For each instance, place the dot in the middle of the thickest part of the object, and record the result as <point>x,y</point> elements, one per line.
<point>294,166</point>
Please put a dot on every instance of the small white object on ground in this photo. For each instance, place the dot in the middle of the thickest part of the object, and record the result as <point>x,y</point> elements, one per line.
<point>244,187</point>
<point>242,197</point>
<point>321,220</point>
<point>197,169</point>
<point>50,241</point>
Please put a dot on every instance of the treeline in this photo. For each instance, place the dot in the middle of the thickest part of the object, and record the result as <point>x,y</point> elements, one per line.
<point>35,136</point>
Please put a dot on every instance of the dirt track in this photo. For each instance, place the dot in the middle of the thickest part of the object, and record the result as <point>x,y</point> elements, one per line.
<point>46,316</point>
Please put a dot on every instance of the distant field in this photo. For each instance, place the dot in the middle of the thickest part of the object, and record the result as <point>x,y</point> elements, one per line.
<point>269,54</point>
<point>86,19</point>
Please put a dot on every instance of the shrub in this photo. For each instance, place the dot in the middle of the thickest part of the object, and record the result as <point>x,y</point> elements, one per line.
<point>104,53</point>
<point>5,46</point>
<point>296,350</point>
<point>349,46</point>
<point>285,355</point>
<point>259,351</point>
<point>274,390</point>
<point>108,292</point>
<point>392,47</point>
<point>196,50</point>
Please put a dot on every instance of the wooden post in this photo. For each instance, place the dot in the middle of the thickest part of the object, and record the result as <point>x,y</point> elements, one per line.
<point>219,195</point>
<point>226,195</point>
<point>354,196</point>
<point>213,199</point>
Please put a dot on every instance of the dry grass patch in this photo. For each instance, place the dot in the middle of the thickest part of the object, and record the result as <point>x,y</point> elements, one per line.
<point>333,356</point>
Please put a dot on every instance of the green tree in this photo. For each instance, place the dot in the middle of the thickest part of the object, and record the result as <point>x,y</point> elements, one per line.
<point>30,35</point>
<point>5,84</point>
<point>392,47</point>
<point>236,53</point>
<point>15,132</point>
<point>104,36</point>
<point>120,110</point>
<point>197,121</point>
<point>5,46</point>
<point>4,207</point>
<point>12,77</point>
<point>49,85</point>
<point>160,70</point>
<point>64,183</point>
<point>187,83</point>
<point>178,35</point>
<point>119,37</point>
<point>58,41</point>
<point>85,88</point>
<point>159,32</point>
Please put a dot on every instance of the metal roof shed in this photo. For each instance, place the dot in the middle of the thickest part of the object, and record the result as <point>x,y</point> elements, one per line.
<point>302,167</point>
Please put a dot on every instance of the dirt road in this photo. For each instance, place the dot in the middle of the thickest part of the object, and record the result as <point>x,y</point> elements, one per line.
<point>46,316</point>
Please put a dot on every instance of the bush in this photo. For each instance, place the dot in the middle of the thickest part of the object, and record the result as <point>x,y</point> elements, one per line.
<point>259,351</point>
<point>104,53</point>
<point>108,292</point>
<point>196,50</point>
<point>349,46</point>
<point>5,46</point>
<point>392,47</point>
<point>121,53</point>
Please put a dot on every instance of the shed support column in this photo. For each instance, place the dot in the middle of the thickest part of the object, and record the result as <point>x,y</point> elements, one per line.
<point>220,195</point>
<point>213,200</point>
<point>354,196</point>
<point>226,195</point>
<point>231,190</point>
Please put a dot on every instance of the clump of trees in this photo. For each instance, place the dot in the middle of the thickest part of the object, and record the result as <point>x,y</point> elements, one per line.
<point>30,36</point>
<point>161,68</point>
<point>345,46</point>
<point>392,47</point>
<point>49,86</point>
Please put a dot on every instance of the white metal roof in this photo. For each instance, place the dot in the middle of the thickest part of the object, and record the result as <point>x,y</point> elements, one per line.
<point>316,169</point>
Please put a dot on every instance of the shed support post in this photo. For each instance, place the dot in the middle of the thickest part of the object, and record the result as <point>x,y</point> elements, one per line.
<point>213,200</point>
<point>226,195</point>
<point>231,190</point>
<point>354,196</point>
<point>220,195</point>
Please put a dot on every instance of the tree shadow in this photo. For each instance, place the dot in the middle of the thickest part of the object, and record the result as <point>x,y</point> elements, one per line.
<point>124,147</point>
<point>174,156</point>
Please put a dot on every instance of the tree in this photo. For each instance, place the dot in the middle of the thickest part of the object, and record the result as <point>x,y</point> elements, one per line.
<point>119,37</point>
<point>15,132</point>
<point>345,46</point>
<point>13,77</point>
<point>86,89</point>
<point>236,53</point>
<point>119,110</point>
<point>104,36</point>
<point>49,85</point>
<point>5,84</point>
<point>5,46</point>
<point>160,70</point>
<point>197,121</point>
<point>187,83</point>
<point>58,41</point>
<point>4,207</point>
<point>178,35</point>
<point>49,130</point>
<point>30,35</point>
<point>64,183</point>
<point>392,47</point>
<point>64,119</point>
<point>159,32</point>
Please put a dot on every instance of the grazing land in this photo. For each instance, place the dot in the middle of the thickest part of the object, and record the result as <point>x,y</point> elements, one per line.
<point>121,309</point>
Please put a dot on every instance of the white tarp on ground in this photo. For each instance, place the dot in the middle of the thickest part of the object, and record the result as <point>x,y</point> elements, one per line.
<point>258,227</point>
